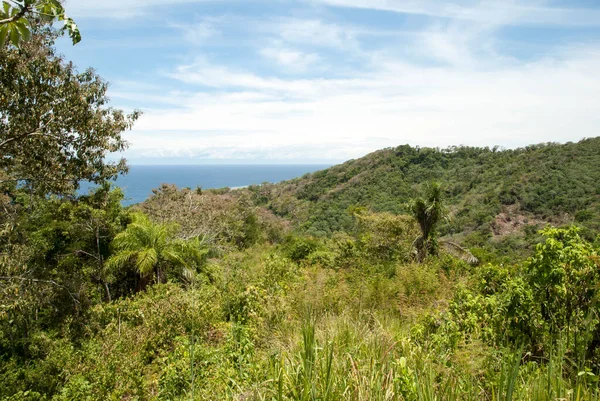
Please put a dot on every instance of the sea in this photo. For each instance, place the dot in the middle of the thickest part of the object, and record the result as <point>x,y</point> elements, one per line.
<point>141,179</point>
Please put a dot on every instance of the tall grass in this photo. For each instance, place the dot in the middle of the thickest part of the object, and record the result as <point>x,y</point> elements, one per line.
<point>340,358</point>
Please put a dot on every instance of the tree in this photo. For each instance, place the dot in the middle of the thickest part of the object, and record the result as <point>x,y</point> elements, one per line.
<point>94,220</point>
<point>16,24</point>
<point>385,236</point>
<point>152,248</point>
<point>55,123</point>
<point>52,264</point>
<point>428,212</point>
<point>222,218</point>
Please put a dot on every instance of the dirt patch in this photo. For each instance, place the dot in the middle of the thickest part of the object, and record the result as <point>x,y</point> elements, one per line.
<point>510,220</point>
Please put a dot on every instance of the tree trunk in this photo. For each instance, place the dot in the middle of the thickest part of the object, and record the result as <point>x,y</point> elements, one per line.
<point>107,291</point>
<point>143,283</point>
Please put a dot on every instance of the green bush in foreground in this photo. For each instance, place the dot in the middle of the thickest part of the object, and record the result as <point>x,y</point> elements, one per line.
<point>550,303</point>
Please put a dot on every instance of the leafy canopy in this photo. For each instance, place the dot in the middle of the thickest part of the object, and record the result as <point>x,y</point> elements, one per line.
<point>16,19</point>
<point>55,123</point>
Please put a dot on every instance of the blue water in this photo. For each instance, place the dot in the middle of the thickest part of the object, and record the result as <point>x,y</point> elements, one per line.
<point>138,184</point>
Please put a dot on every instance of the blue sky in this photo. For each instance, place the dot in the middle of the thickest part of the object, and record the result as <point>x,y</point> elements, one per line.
<point>313,81</point>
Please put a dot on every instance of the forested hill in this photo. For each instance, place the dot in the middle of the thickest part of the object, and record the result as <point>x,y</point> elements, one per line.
<point>490,192</point>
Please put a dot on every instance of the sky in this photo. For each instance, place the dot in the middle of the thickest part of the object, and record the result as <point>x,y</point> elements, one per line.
<point>323,81</point>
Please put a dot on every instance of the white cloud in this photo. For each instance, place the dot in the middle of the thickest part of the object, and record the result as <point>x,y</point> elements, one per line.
<point>120,9</point>
<point>291,60</point>
<point>199,32</point>
<point>315,32</point>
<point>444,84</point>
<point>205,74</point>
<point>549,100</point>
<point>490,12</point>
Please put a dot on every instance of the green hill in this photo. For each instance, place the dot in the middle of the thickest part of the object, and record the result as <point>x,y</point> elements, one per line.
<point>492,194</point>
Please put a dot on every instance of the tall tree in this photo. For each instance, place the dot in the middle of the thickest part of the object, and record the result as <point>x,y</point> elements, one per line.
<point>55,123</point>
<point>428,211</point>
<point>153,248</point>
<point>52,263</point>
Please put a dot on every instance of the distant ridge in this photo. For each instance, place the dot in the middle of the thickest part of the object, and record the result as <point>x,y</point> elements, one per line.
<point>492,193</point>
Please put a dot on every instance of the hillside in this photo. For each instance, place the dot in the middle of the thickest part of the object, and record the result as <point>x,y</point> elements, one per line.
<point>202,295</point>
<point>492,194</point>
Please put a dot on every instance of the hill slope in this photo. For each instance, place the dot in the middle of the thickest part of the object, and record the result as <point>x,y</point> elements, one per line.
<point>491,193</point>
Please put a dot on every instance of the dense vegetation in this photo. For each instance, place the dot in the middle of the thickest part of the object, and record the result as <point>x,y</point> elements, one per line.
<point>99,302</point>
<point>354,283</point>
<point>498,199</point>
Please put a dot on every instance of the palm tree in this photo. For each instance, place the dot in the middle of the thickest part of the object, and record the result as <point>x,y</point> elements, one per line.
<point>428,212</point>
<point>153,248</point>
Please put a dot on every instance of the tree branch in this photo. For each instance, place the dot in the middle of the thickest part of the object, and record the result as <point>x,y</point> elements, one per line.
<point>34,280</point>
<point>27,134</point>
<point>81,251</point>
<point>17,16</point>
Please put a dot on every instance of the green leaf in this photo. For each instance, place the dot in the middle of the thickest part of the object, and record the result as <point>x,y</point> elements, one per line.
<point>14,11</point>
<point>23,30</point>
<point>6,8</point>
<point>56,4</point>
<point>51,10</point>
<point>3,34</point>
<point>73,29</point>
<point>146,260</point>
<point>14,36</point>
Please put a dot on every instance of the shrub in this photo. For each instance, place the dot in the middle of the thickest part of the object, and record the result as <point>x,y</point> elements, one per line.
<point>298,248</point>
<point>550,298</point>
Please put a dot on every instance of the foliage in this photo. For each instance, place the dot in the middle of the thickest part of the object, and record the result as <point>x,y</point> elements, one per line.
<point>311,318</point>
<point>16,19</point>
<point>492,195</point>
<point>385,236</point>
<point>300,248</point>
<point>52,265</point>
<point>223,219</point>
<point>428,212</point>
<point>55,124</point>
<point>547,303</point>
<point>154,249</point>
<point>139,346</point>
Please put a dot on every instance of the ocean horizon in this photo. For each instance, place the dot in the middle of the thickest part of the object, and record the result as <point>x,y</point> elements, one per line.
<point>138,184</point>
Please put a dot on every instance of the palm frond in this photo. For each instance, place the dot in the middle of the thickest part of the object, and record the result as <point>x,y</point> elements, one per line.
<point>189,275</point>
<point>460,252</point>
<point>176,257</point>
<point>146,260</point>
<point>119,260</point>
<point>150,244</point>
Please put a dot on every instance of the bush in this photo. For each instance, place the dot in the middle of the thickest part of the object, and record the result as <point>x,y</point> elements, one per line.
<point>129,340</point>
<point>298,248</point>
<point>385,236</point>
<point>552,297</point>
